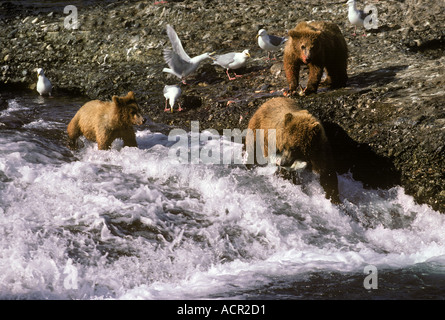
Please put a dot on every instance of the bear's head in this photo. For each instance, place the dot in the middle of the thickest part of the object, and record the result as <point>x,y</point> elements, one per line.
<point>128,109</point>
<point>306,44</point>
<point>300,137</point>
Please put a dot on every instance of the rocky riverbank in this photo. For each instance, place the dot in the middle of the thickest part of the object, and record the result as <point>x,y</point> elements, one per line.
<point>387,126</point>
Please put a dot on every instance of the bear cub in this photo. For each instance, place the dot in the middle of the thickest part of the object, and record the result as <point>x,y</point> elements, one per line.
<point>319,45</point>
<point>105,121</point>
<point>299,136</point>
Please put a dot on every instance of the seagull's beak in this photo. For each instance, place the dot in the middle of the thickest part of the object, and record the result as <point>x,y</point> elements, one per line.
<point>257,36</point>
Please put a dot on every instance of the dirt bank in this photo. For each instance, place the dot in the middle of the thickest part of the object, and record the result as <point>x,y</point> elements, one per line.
<point>387,126</point>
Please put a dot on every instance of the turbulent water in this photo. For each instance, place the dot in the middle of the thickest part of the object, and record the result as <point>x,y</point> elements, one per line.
<point>134,223</point>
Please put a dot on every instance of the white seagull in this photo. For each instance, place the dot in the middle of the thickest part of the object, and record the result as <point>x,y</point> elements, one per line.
<point>171,94</point>
<point>43,84</point>
<point>356,17</point>
<point>269,42</point>
<point>232,60</point>
<point>181,65</point>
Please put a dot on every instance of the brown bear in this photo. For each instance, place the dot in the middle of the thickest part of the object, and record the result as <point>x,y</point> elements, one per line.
<point>299,136</point>
<point>319,45</point>
<point>103,122</point>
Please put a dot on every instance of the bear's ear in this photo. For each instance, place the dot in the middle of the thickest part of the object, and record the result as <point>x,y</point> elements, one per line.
<point>314,130</point>
<point>294,34</point>
<point>310,141</point>
<point>288,118</point>
<point>316,35</point>
<point>316,126</point>
<point>130,95</point>
<point>115,100</point>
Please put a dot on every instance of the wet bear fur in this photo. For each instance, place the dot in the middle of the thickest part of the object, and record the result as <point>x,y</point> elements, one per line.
<point>105,121</point>
<point>299,136</point>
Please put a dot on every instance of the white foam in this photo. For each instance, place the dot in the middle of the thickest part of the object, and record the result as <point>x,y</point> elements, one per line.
<point>42,124</point>
<point>133,223</point>
<point>13,106</point>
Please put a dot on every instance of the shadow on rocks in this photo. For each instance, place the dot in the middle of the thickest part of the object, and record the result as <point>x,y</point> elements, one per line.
<point>378,77</point>
<point>373,170</point>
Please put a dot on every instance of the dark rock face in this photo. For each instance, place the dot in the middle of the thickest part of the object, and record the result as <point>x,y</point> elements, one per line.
<point>387,126</point>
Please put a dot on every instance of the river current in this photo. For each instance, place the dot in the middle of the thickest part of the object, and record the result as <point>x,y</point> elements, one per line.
<point>136,223</point>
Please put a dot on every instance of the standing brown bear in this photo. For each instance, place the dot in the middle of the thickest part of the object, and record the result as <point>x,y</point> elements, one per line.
<point>299,136</point>
<point>318,45</point>
<point>103,122</point>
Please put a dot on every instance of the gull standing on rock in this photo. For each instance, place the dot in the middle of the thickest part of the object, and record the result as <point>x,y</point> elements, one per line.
<point>269,42</point>
<point>356,17</point>
<point>43,84</point>
<point>232,60</point>
<point>171,94</point>
<point>181,65</point>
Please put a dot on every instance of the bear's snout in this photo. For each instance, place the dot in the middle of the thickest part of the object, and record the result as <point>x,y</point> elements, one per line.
<point>287,159</point>
<point>139,120</point>
<point>306,56</point>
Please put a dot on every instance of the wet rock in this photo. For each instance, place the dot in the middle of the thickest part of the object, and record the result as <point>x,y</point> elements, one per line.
<point>277,70</point>
<point>424,24</point>
<point>387,125</point>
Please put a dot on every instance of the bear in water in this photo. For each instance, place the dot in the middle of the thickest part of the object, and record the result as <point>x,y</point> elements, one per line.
<point>299,136</point>
<point>103,122</point>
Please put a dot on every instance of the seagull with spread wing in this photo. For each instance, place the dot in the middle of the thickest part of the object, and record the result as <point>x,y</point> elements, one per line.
<point>181,65</point>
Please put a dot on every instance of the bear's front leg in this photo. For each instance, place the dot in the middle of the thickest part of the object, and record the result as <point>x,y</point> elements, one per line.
<point>72,144</point>
<point>292,70</point>
<point>104,145</point>
<point>129,139</point>
<point>315,74</point>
